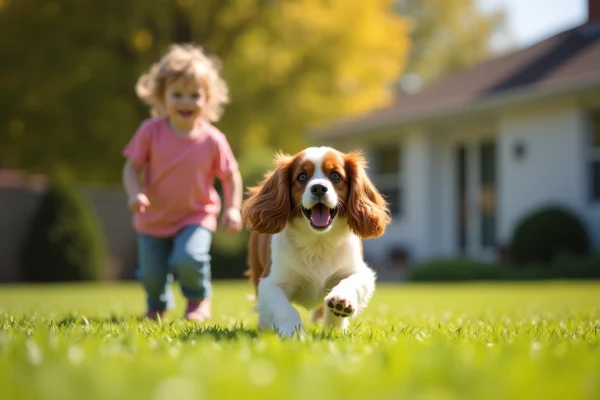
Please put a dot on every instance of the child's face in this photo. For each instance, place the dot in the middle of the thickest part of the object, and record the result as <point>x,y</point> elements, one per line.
<point>184,100</point>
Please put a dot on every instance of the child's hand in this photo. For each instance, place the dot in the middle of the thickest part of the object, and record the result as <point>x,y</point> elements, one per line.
<point>232,220</point>
<point>138,203</point>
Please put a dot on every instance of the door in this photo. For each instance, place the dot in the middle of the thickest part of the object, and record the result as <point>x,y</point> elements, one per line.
<point>476,208</point>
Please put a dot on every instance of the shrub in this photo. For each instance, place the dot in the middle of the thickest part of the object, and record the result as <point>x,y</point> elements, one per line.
<point>462,270</point>
<point>65,241</point>
<point>568,267</point>
<point>542,236</point>
<point>449,270</point>
<point>229,254</point>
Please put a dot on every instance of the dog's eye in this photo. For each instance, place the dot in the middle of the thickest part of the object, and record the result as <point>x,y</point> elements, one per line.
<point>302,177</point>
<point>335,176</point>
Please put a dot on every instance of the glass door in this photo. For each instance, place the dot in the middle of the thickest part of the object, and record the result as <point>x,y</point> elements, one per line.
<point>476,206</point>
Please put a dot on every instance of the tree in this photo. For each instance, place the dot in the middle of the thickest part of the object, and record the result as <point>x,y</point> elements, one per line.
<point>65,241</point>
<point>446,36</point>
<point>69,70</point>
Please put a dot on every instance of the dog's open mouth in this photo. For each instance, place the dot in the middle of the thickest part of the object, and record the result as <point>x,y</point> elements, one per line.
<point>320,216</point>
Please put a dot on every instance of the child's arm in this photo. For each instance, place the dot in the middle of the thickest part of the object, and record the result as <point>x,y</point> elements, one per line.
<point>233,189</point>
<point>137,201</point>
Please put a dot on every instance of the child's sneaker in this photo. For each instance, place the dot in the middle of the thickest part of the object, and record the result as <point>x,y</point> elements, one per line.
<point>155,314</point>
<point>198,310</point>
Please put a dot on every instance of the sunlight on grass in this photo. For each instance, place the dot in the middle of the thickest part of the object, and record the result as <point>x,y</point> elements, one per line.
<point>503,341</point>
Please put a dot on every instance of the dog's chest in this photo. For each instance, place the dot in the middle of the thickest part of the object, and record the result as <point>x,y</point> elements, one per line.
<point>308,283</point>
<point>310,292</point>
<point>308,266</point>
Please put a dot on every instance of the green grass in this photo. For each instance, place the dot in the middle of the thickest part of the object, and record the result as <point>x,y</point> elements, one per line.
<point>477,341</point>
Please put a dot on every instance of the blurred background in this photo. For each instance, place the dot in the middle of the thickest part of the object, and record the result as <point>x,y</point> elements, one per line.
<point>480,120</point>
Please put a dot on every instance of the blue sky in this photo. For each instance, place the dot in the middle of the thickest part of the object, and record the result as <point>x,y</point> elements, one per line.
<point>530,21</point>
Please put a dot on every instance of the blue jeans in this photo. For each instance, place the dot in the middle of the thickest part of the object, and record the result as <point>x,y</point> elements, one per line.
<point>185,255</point>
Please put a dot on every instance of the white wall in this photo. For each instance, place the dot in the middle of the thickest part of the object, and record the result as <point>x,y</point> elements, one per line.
<point>552,170</point>
<point>416,229</point>
<point>445,208</point>
<point>418,219</point>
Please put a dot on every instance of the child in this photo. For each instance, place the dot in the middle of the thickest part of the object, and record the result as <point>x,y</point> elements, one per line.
<point>171,163</point>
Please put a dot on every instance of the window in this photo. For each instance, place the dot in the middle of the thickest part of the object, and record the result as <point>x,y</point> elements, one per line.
<point>487,187</point>
<point>595,176</point>
<point>461,194</point>
<point>386,167</point>
<point>594,159</point>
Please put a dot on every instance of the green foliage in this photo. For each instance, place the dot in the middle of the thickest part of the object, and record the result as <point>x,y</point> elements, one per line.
<point>229,255</point>
<point>545,234</point>
<point>450,270</point>
<point>67,76</point>
<point>462,270</point>
<point>65,241</point>
<point>472,341</point>
<point>447,36</point>
<point>572,267</point>
<point>68,72</point>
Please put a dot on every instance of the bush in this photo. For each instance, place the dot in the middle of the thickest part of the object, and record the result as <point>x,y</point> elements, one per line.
<point>65,241</point>
<point>544,235</point>
<point>229,254</point>
<point>461,270</point>
<point>449,270</point>
<point>568,267</point>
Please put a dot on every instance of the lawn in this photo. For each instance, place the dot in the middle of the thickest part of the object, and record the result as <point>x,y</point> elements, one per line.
<point>469,341</point>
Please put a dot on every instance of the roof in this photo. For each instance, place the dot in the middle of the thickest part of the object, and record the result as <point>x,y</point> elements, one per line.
<point>17,179</point>
<point>562,62</point>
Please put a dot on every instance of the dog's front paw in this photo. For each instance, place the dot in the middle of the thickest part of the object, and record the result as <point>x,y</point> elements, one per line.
<point>340,305</point>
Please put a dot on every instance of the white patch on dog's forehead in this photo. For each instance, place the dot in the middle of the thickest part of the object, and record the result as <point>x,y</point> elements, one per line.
<point>316,155</point>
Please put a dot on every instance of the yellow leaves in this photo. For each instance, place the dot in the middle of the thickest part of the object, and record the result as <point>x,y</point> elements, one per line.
<point>288,64</point>
<point>232,16</point>
<point>141,40</point>
<point>185,3</point>
<point>254,45</point>
<point>280,64</point>
<point>255,133</point>
<point>365,45</point>
<point>303,62</point>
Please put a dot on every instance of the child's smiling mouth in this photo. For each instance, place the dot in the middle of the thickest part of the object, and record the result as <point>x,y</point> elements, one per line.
<point>185,113</point>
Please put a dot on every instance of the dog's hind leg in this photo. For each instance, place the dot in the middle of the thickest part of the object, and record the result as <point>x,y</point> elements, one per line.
<point>317,314</point>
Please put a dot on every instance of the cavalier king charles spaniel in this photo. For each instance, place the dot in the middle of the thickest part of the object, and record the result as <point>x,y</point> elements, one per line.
<point>306,222</point>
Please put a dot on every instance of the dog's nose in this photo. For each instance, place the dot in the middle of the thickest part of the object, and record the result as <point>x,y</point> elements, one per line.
<point>318,189</point>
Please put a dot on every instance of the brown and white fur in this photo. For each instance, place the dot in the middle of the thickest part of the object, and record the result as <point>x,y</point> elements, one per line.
<point>307,219</point>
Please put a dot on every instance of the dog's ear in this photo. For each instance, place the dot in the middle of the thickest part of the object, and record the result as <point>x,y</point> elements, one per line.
<point>367,211</point>
<point>268,207</point>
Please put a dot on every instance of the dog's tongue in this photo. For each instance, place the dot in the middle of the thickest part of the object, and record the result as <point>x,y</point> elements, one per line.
<point>320,215</point>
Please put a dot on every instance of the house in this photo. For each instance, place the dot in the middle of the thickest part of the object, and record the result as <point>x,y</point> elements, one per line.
<point>463,159</point>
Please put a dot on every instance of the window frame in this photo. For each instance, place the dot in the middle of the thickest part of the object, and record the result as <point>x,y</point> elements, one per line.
<point>593,155</point>
<point>389,181</point>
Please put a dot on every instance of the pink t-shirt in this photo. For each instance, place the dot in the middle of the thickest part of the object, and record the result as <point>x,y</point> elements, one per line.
<point>179,176</point>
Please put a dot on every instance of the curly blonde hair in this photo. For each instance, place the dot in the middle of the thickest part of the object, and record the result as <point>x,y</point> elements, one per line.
<point>190,61</point>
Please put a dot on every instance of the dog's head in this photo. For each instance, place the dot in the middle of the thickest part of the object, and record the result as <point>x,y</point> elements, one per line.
<point>322,186</point>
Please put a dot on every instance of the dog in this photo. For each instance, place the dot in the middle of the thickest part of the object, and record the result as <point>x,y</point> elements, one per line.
<point>307,219</point>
